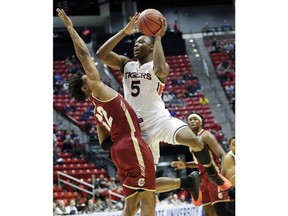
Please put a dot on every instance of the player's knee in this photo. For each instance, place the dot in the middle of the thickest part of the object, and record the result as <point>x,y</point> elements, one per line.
<point>187,137</point>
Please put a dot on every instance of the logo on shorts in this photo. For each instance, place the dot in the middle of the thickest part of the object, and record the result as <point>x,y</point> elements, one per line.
<point>220,195</point>
<point>141,182</point>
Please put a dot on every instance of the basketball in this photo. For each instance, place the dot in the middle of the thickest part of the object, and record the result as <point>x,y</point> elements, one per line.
<point>149,21</point>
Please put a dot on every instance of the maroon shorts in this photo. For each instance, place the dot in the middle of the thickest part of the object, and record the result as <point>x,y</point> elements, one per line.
<point>210,192</point>
<point>134,162</point>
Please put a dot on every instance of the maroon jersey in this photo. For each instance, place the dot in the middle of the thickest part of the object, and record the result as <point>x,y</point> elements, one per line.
<point>213,156</point>
<point>117,108</point>
<point>130,153</point>
<point>210,192</point>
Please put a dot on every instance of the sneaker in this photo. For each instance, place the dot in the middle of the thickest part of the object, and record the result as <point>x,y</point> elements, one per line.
<point>223,183</point>
<point>195,191</point>
<point>226,186</point>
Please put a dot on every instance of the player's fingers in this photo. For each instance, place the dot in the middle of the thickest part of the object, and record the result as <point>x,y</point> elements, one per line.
<point>136,30</point>
<point>164,21</point>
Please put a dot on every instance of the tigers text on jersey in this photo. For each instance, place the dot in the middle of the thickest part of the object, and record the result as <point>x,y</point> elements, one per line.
<point>143,91</point>
<point>142,88</point>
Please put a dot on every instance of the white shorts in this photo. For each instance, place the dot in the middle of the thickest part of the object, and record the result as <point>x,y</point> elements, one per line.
<point>160,128</point>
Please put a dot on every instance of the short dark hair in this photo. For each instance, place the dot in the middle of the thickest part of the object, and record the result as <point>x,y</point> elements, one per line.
<point>75,83</point>
<point>152,39</point>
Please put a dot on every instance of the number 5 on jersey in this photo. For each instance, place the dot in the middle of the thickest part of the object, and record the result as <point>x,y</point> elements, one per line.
<point>136,88</point>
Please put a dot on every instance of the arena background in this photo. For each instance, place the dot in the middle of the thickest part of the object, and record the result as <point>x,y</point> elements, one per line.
<point>26,152</point>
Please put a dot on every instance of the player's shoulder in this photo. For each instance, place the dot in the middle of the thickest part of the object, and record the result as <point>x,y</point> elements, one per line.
<point>206,133</point>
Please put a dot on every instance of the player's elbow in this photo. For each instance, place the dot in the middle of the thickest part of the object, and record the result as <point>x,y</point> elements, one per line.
<point>82,54</point>
<point>161,73</point>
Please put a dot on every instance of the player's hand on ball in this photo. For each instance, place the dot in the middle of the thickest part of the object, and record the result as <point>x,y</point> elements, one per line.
<point>129,28</point>
<point>162,30</point>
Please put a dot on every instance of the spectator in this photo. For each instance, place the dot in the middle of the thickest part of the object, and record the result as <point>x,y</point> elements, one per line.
<point>191,91</point>
<point>93,138</point>
<point>102,181</point>
<point>167,97</point>
<point>61,208</point>
<point>175,26</point>
<point>215,45</point>
<point>187,76</point>
<point>90,208</point>
<point>168,29</point>
<point>73,135</point>
<point>64,88</point>
<point>87,113</point>
<point>99,194</point>
<point>54,209</point>
<point>78,148</point>
<point>112,184</point>
<point>226,26</point>
<point>93,181</point>
<point>183,199</point>
<point>206,29</point>
<point>175,200</point>
<point>99,206</point>
<point>67,145</point>
<point>108,205</point>
<point>80,202</point>
<point>72,209</point>
<point>70,108</point>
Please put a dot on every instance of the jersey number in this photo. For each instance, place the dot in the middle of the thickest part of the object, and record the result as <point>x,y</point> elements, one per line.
<point>101,115</point>
<point>135,88</point>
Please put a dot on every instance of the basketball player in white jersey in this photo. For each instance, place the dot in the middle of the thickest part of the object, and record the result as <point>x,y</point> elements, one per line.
<point>143,83</point>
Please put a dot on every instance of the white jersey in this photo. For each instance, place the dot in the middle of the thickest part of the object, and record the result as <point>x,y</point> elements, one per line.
<point>143,91</point>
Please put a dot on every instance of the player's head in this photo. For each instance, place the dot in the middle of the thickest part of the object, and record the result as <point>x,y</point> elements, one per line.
<point>143,46</point>
<point>195,121</point>
<point>78,87</point>
<point>231,144</point>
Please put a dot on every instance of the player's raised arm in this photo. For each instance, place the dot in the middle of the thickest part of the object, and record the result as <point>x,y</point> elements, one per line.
<point>105,53</point>
<point>81,48</point>
<point>161,68</point>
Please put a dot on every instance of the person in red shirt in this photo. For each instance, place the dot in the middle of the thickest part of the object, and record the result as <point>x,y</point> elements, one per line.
<point>213,200</point>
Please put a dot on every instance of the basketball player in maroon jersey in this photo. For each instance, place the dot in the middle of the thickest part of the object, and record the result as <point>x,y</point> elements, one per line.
<point>118,129</point>
<point>143,81</point>
<point>213,200</point>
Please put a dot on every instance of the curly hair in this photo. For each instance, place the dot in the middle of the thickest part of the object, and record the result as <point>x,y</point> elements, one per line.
<point>75,83</point>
